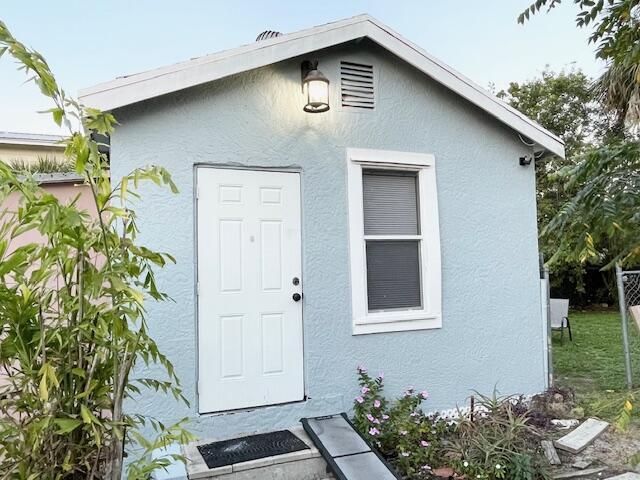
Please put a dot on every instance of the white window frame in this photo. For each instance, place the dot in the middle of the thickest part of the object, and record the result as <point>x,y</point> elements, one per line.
<point>430,315</point>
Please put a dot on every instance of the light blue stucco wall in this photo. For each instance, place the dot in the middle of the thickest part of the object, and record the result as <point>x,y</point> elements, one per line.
<point>491,334</point>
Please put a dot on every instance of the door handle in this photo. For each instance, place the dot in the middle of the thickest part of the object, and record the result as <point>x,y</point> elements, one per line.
<point>296,297</point>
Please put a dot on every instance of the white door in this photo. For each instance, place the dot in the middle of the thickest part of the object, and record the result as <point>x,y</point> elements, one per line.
<point>249,272</point>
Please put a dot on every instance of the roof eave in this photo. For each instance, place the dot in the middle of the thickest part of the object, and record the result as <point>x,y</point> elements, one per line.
<point>26,143</point>
<point>128,90</point>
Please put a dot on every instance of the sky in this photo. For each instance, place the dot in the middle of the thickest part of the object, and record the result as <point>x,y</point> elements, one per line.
<point>89,42</point>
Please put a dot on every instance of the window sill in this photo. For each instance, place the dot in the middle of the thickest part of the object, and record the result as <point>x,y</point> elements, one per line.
<point>396,322</point>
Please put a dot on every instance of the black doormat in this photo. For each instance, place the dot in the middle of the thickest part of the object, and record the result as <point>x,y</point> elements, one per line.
<point>244,449</point>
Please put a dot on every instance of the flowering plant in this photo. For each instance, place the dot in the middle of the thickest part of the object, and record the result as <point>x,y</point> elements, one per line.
<point>411,440</point>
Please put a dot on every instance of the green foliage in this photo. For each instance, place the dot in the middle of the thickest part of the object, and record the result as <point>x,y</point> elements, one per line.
<point>565,104</point>
<point>615,28</point>
<point>43,164</point>
<point>626,414</point>
<point>614,24</point>
<point>498,442</point>
<point>400,430</point>
<point>562,102</point>
<point>73,313</point>
<point>602,220</point>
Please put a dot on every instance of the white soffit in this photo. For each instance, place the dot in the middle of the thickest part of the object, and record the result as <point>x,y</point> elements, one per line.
<point>153,83</point>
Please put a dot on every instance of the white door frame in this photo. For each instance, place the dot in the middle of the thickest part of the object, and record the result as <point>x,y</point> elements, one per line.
<point>196,168</point>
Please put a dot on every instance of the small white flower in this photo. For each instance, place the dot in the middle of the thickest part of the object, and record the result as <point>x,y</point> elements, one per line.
<point>498,466</point>
<point>465,463</point>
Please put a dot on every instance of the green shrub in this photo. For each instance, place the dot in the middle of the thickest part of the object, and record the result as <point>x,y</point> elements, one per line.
<point>499,442</point>
<point>411,440</point>
<point>43,164</point>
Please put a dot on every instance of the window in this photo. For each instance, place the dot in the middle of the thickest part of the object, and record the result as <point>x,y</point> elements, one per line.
<point>394,241</point>
<point>391,231</point>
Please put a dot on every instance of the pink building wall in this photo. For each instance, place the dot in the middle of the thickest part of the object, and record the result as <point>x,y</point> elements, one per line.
<point>66,192</point>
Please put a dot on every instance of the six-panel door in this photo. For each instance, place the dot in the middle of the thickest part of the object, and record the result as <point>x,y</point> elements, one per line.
<point>249,325</point>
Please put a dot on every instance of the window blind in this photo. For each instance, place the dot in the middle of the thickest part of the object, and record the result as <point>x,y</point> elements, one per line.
<point>390,203</point>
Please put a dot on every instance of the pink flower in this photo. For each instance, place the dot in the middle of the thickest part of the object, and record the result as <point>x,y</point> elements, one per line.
<point>385,417</point>
<point>381,375</point>
<point>370,417</point>
<point>426,467</point>
<point>413,414</point>
<point>409,392</point>
<point>373,431</point>
<point>361,369</point>
<point>424,394</point>
<point>376,403</point>
<point>424,443</point>
<point>359,399</point>
<point>365,390</point>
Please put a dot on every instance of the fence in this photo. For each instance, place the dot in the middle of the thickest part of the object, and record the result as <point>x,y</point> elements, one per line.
<point>629,302</point>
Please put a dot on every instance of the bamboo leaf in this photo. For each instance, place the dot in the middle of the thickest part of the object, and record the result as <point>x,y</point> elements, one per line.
<point>66,425</point>
<point>44,389</point>
<point>86,414</point>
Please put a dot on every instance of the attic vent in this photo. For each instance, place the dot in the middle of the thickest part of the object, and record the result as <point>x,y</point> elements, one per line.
<point>357,86</point>
<point>267,34</point>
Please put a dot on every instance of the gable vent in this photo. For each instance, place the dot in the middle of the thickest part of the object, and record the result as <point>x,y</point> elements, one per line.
<point>357,85</point>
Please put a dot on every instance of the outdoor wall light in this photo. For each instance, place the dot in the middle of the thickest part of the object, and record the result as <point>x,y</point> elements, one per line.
<point>315,87</point>
<point>526,160</point>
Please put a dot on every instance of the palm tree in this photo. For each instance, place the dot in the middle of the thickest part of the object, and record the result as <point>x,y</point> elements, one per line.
<point>618,89</point>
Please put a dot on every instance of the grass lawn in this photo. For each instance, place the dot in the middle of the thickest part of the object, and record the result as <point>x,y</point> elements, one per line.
<point>593,364</point>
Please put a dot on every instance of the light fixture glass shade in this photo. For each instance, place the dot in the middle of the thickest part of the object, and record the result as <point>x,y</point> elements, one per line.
<point>316,90</point>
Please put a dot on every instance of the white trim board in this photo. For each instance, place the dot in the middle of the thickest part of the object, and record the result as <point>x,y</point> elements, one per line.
<point>153,83</point>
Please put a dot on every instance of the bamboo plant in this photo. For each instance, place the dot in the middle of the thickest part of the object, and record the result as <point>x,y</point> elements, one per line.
<point>72,311</point>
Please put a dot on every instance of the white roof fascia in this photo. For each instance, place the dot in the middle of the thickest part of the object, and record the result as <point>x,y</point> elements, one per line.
<point>465,87</point>
<point>32,139</point>
<point>135,88</point>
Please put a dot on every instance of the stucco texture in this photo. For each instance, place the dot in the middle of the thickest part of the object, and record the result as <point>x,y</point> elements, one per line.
<point>491,333</point>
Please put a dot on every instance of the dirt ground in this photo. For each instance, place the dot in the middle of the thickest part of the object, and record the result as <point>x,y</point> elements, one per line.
<point>611,450</point>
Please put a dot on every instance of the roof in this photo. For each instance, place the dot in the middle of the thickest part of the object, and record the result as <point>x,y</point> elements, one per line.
<point>32,139</point>
<point>153,83</point>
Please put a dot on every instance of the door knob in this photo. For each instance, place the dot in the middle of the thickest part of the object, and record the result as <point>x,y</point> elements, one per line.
<point>296,297</point>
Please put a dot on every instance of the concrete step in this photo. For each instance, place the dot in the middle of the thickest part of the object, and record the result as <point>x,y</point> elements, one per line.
<point>581,437</point>
<point>301,465</point>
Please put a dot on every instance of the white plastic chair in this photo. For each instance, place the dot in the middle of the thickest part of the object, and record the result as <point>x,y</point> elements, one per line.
<point>560,316</point>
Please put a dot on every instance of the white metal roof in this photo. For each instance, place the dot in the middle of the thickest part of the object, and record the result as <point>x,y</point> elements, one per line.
<point>142,86</point>
<point>33,139</point>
